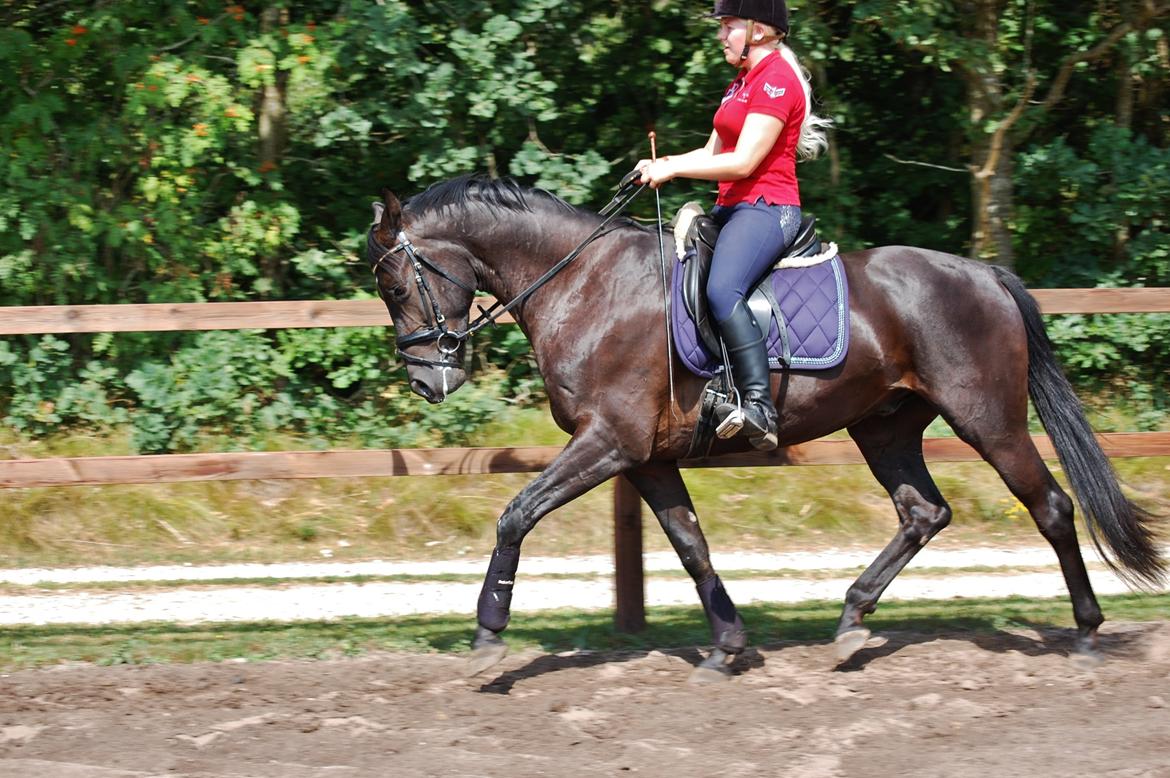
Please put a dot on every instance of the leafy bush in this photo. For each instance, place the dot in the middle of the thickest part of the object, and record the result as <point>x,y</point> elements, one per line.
<point>142,163</point>
<point>1097,217</point>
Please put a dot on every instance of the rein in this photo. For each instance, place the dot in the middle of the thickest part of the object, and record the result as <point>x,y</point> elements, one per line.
<point>449,341</point>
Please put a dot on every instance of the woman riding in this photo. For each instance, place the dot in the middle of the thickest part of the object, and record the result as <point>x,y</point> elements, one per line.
<point>764,123</point>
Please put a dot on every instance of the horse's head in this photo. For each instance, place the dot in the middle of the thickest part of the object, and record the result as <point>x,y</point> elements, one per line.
<point>428,285</point>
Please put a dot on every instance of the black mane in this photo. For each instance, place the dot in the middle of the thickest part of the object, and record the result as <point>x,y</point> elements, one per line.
<point>503,193</point>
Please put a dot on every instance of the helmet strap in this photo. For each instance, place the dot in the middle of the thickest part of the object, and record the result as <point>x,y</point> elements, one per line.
<point>747,41</point>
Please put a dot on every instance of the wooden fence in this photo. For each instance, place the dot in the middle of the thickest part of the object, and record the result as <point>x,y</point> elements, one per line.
<point>629,586</point>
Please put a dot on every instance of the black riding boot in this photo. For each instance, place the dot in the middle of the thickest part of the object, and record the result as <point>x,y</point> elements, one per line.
<point>749,367</point>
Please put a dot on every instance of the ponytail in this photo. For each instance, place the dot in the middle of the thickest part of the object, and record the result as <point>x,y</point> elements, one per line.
<point>813,136</point>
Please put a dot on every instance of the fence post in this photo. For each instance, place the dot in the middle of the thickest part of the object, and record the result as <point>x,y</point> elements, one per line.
<point>629,580</point>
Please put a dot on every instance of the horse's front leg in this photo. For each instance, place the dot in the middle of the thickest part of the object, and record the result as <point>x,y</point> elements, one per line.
<point>661,485</point>
<point>590,458</point>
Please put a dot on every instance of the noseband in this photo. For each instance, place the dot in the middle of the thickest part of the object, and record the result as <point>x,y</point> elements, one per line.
<point>449,341</point>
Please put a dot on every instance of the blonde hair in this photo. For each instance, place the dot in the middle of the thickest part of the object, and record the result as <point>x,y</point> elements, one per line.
<point>814,136</point>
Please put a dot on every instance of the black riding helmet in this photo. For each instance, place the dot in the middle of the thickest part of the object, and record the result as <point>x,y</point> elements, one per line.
<point>771,12</point>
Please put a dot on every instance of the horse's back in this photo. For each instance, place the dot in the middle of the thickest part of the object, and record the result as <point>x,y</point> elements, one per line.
<point>939,319</point>
<point>907,283</point>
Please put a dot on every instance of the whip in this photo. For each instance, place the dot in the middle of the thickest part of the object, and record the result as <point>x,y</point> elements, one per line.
<point>665,286</point>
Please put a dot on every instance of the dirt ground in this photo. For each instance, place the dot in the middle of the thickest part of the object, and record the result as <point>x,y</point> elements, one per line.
<point>1003,704</point>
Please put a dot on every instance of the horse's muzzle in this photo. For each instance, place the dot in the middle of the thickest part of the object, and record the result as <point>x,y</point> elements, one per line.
<point>435,384</point>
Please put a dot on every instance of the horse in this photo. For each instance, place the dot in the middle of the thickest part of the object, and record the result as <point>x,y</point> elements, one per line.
<point>932,335</point>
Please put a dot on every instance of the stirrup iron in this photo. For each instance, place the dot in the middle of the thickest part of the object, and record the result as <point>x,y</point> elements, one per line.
<point>733,422</point>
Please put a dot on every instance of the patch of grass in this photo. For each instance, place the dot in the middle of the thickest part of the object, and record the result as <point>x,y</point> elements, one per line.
<point>780,508</point>
<point>547,631</point>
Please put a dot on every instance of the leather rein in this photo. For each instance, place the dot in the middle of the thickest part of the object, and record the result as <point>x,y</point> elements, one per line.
<point>448,341</point>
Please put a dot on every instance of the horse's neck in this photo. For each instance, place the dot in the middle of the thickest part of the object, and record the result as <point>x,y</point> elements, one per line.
<point>524,251</point>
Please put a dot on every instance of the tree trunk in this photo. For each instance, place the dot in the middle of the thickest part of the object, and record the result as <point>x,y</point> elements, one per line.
<point>992,198</point>
<point>1124,105</point>
<point>991,152</point>
<point>1154,96</point>
<point>272,119</point>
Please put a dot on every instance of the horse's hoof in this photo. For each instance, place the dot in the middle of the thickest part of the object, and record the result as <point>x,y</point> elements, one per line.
<point>849,643</point>
<point>1086,659</point>
<point>485,655</point>
<point>1085,655</point>
<point>705,674</point>
<point>716,668</point>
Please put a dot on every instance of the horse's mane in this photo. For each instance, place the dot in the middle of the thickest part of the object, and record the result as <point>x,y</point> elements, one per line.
<point>498,193</point>
<point>504,193</point>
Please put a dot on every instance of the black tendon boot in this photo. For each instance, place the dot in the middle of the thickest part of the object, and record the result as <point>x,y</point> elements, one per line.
<point>749,368</point>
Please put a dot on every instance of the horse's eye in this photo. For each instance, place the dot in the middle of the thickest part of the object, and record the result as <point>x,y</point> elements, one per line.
<point>397,293</point>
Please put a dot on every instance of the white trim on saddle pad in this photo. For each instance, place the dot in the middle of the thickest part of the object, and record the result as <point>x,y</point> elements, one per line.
<point>828,252</point>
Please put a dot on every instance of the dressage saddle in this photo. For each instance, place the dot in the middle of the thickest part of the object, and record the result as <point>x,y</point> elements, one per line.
<point>697,243</point>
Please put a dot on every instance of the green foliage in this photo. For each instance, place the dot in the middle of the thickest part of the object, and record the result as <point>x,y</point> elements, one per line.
<point>1097,217</point>
<point>172,151</point>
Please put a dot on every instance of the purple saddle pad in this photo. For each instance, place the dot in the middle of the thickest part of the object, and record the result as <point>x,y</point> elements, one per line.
<point>814,303</point>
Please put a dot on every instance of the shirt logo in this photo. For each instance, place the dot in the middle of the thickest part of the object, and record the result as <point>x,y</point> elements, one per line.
<point>731,90</point>
<point>773,91</point>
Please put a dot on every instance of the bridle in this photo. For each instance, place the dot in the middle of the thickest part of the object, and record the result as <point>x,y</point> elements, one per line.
<point>448,341</point>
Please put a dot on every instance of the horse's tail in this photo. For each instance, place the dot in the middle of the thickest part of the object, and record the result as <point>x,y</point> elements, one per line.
<point>1125,527</point>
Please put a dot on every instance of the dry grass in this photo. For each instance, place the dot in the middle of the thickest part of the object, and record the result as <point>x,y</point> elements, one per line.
<point>427,517</point>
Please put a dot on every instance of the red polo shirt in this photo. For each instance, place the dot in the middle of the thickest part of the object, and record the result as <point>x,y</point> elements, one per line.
<point>773,88</point>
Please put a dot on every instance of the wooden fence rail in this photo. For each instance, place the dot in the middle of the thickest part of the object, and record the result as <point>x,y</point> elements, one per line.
<point>629,586</point>
<point>379,463</point>
<point>168,317</point>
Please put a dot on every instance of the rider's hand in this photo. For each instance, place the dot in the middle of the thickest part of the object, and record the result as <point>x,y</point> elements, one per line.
<point>656,173</point>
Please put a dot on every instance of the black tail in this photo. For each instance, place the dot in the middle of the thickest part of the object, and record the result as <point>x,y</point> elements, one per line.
<point>1108,514</point>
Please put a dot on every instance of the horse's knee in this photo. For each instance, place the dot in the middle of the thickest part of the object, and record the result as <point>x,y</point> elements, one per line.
<point>506,532</point>
<point>921,519</point>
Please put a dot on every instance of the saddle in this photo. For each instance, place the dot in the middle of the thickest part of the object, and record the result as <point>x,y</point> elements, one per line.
<point>695,236</point>
<point>802,305</point>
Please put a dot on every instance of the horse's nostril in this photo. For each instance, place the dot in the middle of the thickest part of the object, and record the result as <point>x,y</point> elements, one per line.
<point>422,390</point>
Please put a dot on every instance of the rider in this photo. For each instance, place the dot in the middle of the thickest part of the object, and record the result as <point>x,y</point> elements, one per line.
<point>763,124</point>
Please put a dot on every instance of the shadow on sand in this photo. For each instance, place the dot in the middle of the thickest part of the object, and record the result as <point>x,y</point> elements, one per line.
<point>1026,638</point>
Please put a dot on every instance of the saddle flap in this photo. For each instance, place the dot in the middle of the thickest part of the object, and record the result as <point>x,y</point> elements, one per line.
<point>701,236</point>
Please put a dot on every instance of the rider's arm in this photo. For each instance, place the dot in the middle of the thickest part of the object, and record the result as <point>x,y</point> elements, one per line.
<point>759,135</point>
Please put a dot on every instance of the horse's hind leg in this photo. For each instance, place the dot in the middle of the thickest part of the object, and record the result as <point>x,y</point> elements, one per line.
<point>1021,467</point>
<point>892,446</point>
<point>661,485</point>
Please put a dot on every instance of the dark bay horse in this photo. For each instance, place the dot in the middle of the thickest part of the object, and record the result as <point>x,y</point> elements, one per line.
<point>932,334</point>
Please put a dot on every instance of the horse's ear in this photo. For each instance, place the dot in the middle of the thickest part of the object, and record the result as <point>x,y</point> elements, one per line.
<point>388,217</point>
